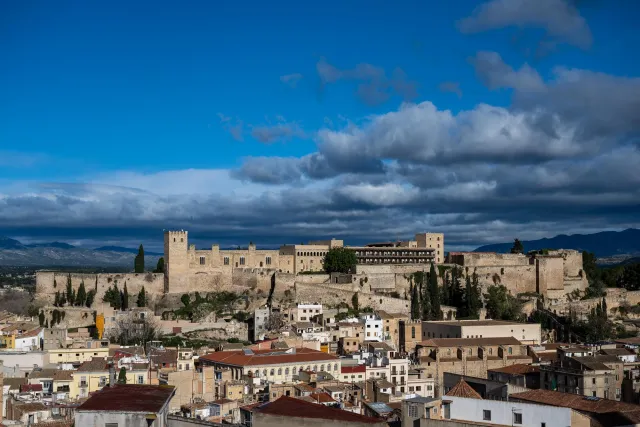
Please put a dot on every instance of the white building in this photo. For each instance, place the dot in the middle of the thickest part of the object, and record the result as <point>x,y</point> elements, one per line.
<point>526,333</point>
<point>31,340</point>
<point>304,312</point>
<point>372,327</point>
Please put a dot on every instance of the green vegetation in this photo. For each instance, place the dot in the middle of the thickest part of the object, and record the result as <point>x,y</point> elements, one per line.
<point>339,260</point>
<point>138,263</point>
<point>625,275</point>
<point>425,294</point>
<point>142,298</point>
<point>125,297</point>
<point>160,266</point>
<point>221,303</point>
<point>81,296</point>
<point>518,247</point>
<point>113,296</point>
<point>122,376</point>
<point>501,305</point>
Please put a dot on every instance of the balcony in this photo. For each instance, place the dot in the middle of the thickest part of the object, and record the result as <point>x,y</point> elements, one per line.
<point>83,384</point>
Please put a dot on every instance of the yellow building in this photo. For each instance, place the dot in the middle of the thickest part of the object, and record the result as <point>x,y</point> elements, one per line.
<point>8,341</point>
<point>76,355</point>
<point>62,381</point>
<point>94,375</point>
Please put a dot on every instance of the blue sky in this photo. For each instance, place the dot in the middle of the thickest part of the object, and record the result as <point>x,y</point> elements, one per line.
<point>283,120</point>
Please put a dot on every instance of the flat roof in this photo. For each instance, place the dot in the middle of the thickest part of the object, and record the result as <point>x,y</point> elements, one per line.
<point>129,398</point>
<point>267,357</point>
<point>487,322</point>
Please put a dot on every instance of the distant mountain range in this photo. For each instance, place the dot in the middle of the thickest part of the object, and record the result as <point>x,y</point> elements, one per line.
<point>15,253</point>
<point>604,244</point>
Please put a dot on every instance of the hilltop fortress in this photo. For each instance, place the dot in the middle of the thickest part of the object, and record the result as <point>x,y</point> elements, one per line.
<point>382,273</point>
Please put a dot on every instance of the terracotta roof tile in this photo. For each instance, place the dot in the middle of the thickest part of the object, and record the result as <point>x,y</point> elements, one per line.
<point>96,364</point>
<point>63,375</point>
<point>291,407</point>
<point>576,401</point>
<point>353,369</point>
<point>463,389</point>
<point>266,357</point>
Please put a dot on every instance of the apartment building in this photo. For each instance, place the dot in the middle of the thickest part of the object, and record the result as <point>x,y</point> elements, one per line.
<point>304,312</point>
<point>76,356</point>
<point>272,365</point>
<point>595,376</point>
<point>372,327</point>
<point>391,326</point>
<point>94,375</point>
<point>468,356</point>
<point>526,333</point>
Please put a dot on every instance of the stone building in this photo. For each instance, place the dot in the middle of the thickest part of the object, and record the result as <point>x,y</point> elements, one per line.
<point>553,274</point>
<point>468,356</point>
<point>527,333</point>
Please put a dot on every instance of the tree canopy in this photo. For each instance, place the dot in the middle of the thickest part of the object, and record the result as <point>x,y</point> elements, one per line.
<point>160,266</point>
<point>501,305</point>
<point>339,260</point>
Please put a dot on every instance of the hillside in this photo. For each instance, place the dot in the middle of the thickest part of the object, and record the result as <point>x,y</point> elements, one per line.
<point>56,254</point>
<point>603,244</point>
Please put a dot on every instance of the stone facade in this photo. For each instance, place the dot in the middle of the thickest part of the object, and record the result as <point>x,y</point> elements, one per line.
<point>553,274</point>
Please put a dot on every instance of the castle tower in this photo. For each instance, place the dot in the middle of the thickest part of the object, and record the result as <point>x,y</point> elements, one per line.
<point>433,241</point>
<point>176,261</point>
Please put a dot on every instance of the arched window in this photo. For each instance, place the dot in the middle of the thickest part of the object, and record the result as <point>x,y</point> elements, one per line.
<point>264,373</point>
<point>315,368</point>
<point>322,368</point>
<point>273,371</point>
<point>279,371</point>
<point>294,370</point>
<point>249,373</point>
<point>329,367</point>
<point>286,371</point>
<point>335,367</point>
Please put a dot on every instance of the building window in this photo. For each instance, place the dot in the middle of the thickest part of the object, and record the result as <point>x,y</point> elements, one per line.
<point>273,371</point>
<point>267,260</point>
<point>279,371</point>
<point>335,367</point>
<point>241,260</point>
<point>593,380</point>
<point>510,350</point>
<point>413,411</point>
<point>517,418</point>
<point>226,260</point>
<point>413,332</point>
<point>202,260</point>
<point>286,371</point>
<point>140,379</point>
<point>486,415</point>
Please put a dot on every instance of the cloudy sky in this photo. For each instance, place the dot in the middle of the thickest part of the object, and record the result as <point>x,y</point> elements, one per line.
<point>284,121</point>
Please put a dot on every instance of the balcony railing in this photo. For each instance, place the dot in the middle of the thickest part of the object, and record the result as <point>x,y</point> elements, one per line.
<point>83,384</point>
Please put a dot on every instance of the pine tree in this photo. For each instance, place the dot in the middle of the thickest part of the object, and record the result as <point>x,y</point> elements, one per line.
<point>125,298</point>
<point>71,296</point>
<point>138,263</point>
<point>142,298</point>
<point>81,296</point>
<point>122,376</point>
<point>434,293</point>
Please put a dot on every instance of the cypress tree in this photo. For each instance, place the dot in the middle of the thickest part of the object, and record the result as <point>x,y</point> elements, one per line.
<point>125,298</point>
<point>160,265</point>
<point>56,299</point>
<point>90,297</point>
<point>81,296</point>
<point>467,296</point>
<point>415,303</point>
<point>138,263</point>
<point>122,376</point>
<point>142,298</point>
<point>604,308</point>
<point>444,300</point>
<point>71,296</point>
<point>434,293</point>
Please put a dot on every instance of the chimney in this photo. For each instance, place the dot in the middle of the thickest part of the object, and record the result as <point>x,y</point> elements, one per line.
<point>112,375</point>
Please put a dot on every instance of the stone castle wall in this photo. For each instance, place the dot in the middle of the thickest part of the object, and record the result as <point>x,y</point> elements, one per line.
<point>50,282</point>
<point>328,295</point>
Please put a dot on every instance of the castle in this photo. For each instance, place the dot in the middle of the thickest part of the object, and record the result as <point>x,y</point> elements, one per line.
<point>382,269</point>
